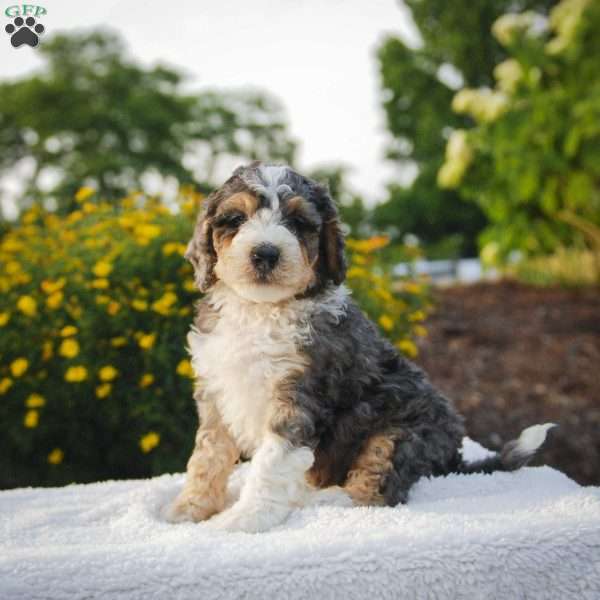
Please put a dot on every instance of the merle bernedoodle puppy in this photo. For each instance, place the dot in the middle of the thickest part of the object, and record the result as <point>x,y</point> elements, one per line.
<point>292,375</point>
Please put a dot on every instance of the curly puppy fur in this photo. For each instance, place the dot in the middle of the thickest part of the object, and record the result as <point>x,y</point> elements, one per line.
<point>292,375</point>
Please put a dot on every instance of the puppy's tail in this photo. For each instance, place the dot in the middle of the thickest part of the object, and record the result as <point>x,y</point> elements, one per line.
<point>514,455</point>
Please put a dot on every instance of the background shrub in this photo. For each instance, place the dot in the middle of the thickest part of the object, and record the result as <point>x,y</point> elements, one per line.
<point>531,160</point>
<point>95,382</point>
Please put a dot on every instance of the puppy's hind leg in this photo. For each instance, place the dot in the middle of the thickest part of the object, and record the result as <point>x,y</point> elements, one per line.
<point>371,469</point>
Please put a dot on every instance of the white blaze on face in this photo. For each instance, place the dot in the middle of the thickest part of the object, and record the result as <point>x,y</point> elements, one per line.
<point>271,176</point>
<point>291,274</point>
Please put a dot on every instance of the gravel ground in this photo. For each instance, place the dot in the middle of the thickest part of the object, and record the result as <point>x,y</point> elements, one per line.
<point>511,355</point>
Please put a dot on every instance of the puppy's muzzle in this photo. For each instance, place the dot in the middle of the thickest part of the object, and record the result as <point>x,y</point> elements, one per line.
<point>264,258</point>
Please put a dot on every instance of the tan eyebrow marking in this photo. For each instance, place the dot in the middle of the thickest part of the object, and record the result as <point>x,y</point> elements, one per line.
<point>296,204</point>
<point>242,201</point>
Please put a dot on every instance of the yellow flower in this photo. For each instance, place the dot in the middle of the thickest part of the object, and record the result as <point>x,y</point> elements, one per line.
<point>147,340</point>
<point>100,284</point>
<point>54,300</point>
<point>370,245</point>
<point>386,322</point>
<point>489,253</point>
<point>56,456</point>
<point>31,419</point>
<point>508,74</point>
<point>4,318</point>
<point>359,259</point>
<point>5,384</point>
<point>126,221</point>
<point>164,303</point>
<point>383,294</point>
<point>47,351</point>
<point>117,342</point>
<point>10,244</point>
<point>35,401</point>
<point>102,299</point>
<point>508,26</point>
<point>27,305</point>
<point>407,347</point>
<point>107,373</point>
<point>459,156</point>
<point>68,331</point>
<point>420,331</point>
<point>418,315</point>
<point>146,380</point>
<point>184,368</point>
<point>103,390</point>
<point>357,272</point>
<point>169,248</point>
<point>483,104</point>
<point>149,441</point>
<point>463,100</point>
<point>19,366</point>
<point>102,268</point>
<point>564,20</point>
<point>411,287</point>
<point>74,311</point>
<point>139,304</point>
<point>128,202</point>
<point>146,230</point>
<point>30,216</point>
<point>189,285</point>
<point>12,267</point>
<point>76,374</point>
<point>172,247</point>
<point>49,287</point>
<point>83,193</point>
<point>113,308</point>
<point>69,348</point>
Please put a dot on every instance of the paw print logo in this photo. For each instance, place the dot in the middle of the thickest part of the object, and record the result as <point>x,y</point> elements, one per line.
<point>24,32</point>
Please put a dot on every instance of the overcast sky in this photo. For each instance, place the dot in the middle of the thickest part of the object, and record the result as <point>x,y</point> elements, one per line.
<point>316,56</point>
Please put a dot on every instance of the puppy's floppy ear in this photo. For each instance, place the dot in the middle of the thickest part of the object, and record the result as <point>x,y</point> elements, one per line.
<point>332,259</point>
<point>201,252</point>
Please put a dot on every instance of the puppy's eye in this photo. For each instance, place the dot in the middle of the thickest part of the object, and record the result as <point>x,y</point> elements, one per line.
<point>301,224</point>
<point>231,220</point>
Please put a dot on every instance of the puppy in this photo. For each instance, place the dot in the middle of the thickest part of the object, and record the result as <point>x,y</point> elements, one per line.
<point>293,376</point>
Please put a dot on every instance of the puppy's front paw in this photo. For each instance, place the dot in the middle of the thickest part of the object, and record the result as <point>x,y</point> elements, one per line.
<point>188,508</point>
<point>240,518</point>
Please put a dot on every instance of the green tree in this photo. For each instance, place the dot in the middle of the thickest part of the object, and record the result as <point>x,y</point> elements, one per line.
<point>352,209</point>
<point>418,85</point>
<point>94,116</point>
<point>531,160</point>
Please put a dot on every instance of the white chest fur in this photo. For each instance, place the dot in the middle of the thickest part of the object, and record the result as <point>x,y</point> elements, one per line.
<point>252,348</point>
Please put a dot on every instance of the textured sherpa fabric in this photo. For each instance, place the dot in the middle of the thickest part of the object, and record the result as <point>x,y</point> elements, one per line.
<point>529,534</point>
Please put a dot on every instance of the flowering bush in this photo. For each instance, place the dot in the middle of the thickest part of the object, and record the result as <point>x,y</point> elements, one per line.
<point>94,309</point>
<point>398,306</point>
<point>532,159</point>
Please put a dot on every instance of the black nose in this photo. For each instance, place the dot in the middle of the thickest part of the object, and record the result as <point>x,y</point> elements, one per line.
<point>264,257</point>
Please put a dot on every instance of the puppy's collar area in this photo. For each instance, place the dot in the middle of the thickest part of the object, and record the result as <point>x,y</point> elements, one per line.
<point>332,300</point>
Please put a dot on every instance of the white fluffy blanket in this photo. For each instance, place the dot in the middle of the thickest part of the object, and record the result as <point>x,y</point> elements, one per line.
<point>529,534</point>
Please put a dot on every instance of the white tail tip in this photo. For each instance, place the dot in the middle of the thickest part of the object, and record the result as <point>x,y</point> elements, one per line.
<point>532,438</point>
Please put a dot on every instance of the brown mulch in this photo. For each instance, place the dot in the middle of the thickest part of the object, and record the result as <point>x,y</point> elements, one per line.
<point>511,355</point>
